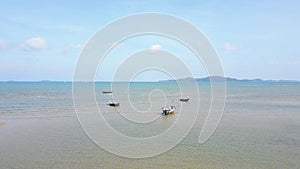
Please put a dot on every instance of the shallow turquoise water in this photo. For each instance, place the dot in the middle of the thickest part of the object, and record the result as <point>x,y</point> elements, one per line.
<point>260,127</point>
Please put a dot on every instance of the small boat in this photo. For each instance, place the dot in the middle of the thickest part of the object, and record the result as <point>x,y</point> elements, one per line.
<point>185,99</point>
<point>106,92</point>
<point>113,104</point>
<point>168,110</point>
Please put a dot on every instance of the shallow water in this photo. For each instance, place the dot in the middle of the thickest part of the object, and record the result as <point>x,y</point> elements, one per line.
<point>260,127</point>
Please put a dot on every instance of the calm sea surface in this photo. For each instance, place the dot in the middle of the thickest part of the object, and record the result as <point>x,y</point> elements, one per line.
<point>260,127</point>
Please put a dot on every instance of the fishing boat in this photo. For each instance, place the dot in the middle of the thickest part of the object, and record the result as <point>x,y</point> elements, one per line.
<point>184,99</point>
<point>113,104</point>
<point>167,110</point>
<point>106,92</point>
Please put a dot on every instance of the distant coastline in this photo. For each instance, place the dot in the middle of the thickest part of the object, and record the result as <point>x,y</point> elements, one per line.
<point>228,79</point>
<point>187,79</point>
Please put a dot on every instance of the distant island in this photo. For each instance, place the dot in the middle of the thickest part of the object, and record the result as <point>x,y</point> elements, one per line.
<point>187,79</point>
<point>228,79</point>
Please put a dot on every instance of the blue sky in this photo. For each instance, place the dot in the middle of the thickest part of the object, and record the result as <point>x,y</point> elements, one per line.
<point>254,39</point>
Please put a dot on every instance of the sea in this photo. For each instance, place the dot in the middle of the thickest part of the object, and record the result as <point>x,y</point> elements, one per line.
<point>40,125</point>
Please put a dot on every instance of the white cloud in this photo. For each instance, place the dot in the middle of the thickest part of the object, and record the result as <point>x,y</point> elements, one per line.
<point>229,46</point>
<point>34,43</point>
<point>155,47</point>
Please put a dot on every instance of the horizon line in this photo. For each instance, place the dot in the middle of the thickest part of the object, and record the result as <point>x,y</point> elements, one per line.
<point>163,80</point>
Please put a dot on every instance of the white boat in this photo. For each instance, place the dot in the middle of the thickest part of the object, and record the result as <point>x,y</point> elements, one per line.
<point>168,110</point>
<point>113,104</point>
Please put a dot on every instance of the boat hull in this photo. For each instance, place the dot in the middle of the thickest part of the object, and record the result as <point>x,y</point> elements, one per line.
<point>113,104</point>
<point>166,111</point>
<point>184,99</point>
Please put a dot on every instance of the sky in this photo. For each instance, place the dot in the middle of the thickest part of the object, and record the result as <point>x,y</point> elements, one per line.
<point>42,40</point>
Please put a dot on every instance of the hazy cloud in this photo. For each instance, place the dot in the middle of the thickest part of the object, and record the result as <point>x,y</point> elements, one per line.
<point>155,47</point>
<point>3,66</point>
<point>295,62</point>
<point>201,43</point>
<point>111,44</point>
<point>69,27</point>
<point>229,46</point>
<point>3,44</point>
<point>34,43</point>
<point>114,44</point>
<point>71,48</point>
<point>77,46</point>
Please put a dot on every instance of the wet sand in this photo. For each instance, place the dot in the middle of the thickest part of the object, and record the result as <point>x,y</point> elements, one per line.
<point>59,142</point>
